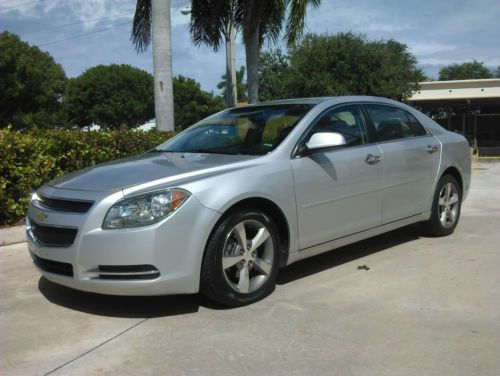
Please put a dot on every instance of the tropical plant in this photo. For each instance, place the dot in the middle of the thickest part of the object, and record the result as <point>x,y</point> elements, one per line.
<point>152,23</point>
<point>265,19</point>
<point>258,19</point>
<point>213,21</point>
<point>240,84</point>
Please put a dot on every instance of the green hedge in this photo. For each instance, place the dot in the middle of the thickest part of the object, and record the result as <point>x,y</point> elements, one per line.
<point>30,159</point>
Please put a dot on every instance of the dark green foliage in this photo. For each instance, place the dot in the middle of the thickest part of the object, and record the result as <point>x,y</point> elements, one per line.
<point>112,96</point>
<point>241,85</point>
<point>465,71</point>
<point>31,85</point>
<point>349,64</point>
<point>30,159</point>
<point>273,71</point>
<point>191,104</point>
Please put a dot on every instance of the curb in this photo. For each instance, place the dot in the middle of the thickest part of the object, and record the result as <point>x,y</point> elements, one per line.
<point>12,235</point>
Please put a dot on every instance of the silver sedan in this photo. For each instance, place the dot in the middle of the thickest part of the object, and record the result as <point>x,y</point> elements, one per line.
<point>222,206</point>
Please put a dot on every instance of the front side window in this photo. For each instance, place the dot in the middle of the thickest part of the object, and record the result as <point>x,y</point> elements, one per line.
<point>392,123</point>
<point>253,130</point>
<point>346,120</point>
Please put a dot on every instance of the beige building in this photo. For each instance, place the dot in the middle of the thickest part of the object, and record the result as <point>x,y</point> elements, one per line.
<point>471,107</point>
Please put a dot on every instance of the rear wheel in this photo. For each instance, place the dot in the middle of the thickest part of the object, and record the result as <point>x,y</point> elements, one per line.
<point>241,260</point>
<point>446,208</point>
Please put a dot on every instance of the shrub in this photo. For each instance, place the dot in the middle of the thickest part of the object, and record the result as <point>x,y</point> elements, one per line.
<point>30,159</point>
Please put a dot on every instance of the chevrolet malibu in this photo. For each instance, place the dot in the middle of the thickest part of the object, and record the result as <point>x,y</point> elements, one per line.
<point>222,206</point>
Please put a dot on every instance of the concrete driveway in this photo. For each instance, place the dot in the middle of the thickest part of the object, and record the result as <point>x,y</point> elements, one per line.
<point>426,306</point>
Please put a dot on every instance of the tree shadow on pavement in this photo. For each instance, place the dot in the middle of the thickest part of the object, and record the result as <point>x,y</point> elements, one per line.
<point>339,256</point>
<point>120,306</point>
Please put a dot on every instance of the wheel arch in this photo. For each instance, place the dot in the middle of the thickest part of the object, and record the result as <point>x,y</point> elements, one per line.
<point>453,171</point>
<point>271,209</point>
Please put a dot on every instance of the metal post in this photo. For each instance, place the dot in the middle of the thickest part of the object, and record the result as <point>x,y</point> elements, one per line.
<point>475,133</point>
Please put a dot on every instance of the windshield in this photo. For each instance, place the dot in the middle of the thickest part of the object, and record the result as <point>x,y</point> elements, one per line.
<point>247,130</point>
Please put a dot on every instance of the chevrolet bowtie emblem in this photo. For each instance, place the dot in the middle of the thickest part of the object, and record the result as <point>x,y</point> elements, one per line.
<point>41,216</point>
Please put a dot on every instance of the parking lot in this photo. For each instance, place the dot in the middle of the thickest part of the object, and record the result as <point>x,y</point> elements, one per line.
<point>425,306</point>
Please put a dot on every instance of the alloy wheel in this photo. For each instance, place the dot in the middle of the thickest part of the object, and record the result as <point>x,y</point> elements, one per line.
<point>448,205</point>
<point>247,258</point>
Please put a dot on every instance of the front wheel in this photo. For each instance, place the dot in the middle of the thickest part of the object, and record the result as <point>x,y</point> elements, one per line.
<point>240,264</point>
<point>446,208</point>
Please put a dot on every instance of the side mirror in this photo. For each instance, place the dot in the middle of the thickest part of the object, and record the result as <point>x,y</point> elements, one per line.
<point>325,140</point>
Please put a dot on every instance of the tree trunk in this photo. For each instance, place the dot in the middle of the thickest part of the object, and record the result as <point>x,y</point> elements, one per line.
<point>252,50</point>
<point>233,65</point>
<point>231,88</point>
<point>162,63</point>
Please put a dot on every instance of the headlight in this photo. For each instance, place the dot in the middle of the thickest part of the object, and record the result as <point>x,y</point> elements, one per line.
<point>145,209</point>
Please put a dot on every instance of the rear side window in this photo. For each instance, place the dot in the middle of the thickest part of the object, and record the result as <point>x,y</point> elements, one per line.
<point>418,129</point>
<point>392,123</point>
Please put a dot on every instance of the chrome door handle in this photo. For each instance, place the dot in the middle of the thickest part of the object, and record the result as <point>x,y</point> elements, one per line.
<point>372,159</point>
<point>431,148</point>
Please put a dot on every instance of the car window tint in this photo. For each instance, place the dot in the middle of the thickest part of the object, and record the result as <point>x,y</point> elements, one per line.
<point>253,130</point>
<point>418,129</point>
<point>277,128</point>
<point>390,123</point>
<point>346,120</point>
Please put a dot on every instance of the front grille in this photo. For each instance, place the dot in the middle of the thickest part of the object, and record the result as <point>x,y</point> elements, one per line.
<point>128,272</point>
<point>53,236</point>
<point>56,267</point>
<point>71,206</point>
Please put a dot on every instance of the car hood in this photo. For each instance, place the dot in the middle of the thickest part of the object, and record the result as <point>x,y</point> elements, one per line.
<point>144,168</point>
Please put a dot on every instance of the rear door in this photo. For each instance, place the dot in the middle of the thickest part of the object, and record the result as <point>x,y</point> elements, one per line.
<point>338,190</point>
<point>411,161</point>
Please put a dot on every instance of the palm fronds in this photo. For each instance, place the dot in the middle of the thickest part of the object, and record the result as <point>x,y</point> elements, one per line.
<point>141,29</point>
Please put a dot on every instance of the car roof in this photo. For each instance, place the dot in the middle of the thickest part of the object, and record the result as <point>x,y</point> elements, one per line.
<point>333,100</point>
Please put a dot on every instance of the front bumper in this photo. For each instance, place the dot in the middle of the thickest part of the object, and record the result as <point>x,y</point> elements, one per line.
<point>174,247</point>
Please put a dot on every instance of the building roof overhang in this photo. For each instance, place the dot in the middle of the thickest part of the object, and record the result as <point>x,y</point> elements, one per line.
<point>486,89</point>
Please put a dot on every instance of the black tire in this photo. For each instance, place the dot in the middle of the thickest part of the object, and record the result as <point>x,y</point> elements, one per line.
<point>434,226</point>
<point>214,282</point>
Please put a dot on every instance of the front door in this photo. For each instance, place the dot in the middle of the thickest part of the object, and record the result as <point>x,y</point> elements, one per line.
<point>338,190</point>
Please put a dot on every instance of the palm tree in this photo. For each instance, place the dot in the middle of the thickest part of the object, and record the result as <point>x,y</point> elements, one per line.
<point>211,22</point>
<point>152,21</point>
<point>264,19</point>
<point>240,84</point>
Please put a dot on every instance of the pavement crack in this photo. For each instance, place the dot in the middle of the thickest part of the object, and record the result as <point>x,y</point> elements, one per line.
<point>96,347</point>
